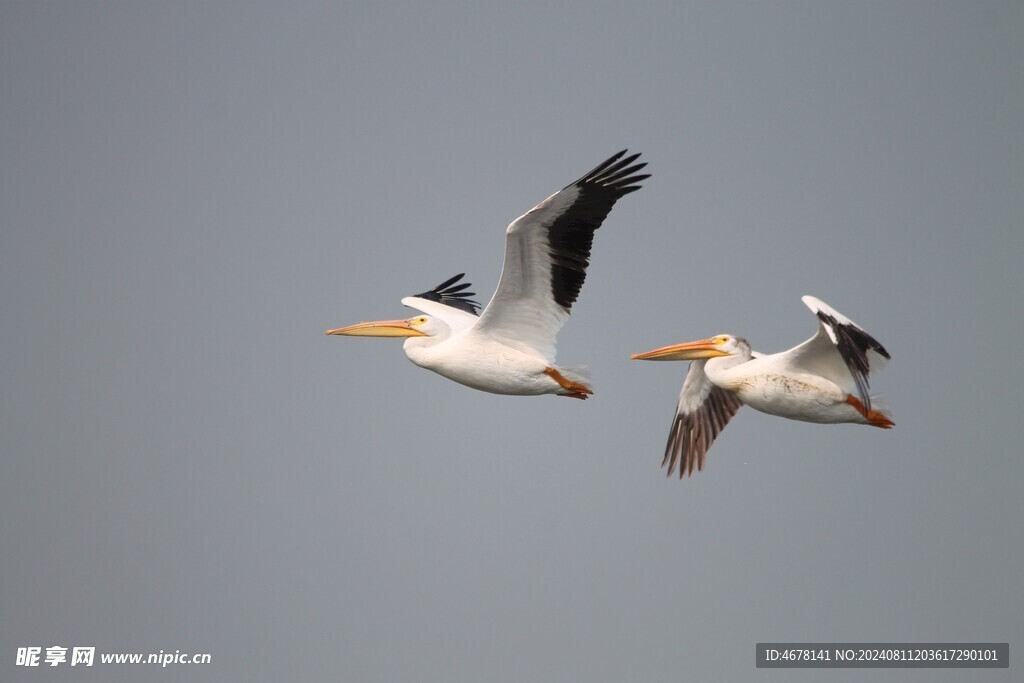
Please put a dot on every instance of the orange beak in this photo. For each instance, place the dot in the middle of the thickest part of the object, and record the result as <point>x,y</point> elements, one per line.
<point>380,328</point>
<point>705,348</point>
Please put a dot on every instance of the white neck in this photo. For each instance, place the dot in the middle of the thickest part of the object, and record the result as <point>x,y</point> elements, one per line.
<point>420,350</point>
<point>725,371</point>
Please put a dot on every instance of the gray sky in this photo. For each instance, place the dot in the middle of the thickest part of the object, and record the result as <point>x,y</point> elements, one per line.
<point>190,193</point>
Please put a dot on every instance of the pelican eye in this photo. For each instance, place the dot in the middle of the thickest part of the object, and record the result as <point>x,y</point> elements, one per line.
<point>419,321</point>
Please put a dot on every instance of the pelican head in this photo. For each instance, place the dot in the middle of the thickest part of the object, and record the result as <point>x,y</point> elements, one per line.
<point>418,326</point>
<point>713,347</point>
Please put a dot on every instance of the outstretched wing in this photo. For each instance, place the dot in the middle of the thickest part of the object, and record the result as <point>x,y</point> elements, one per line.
<point>840,351</point>
<point>449,302</point>
<point>701,415</point>
<point>547,251</point>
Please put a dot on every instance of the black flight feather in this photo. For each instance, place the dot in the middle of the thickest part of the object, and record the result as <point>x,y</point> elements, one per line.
<point>853,345</point>
<point>571,235</point>
<point>448,295</point>
<point>693,432</point>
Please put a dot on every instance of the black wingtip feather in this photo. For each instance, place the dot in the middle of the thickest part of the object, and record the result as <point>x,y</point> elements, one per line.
<point>693,433</point>
<point>853,343</point>
<point>571,235</point>
<point>445,294</point>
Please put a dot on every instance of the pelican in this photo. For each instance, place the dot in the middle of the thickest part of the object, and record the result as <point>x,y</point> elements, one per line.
<point>824,379</point>
<point>510,347</point>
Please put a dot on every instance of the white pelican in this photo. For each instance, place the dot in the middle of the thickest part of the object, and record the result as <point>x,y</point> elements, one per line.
<point>510,347</point>
<point>825,379</point>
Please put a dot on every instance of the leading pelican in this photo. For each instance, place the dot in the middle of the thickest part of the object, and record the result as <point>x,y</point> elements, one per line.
<point>825,379</point>
<point>510,347</point>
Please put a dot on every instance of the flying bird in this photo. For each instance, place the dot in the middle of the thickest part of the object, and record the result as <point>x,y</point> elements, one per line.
<point>824,379</point>
<point>509,348</point>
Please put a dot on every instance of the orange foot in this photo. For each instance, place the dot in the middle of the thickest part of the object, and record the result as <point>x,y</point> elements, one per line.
<point>576,389</point>
<point>875,419</point>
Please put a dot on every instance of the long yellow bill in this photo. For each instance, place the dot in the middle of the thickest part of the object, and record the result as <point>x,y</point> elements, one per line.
<point>380,328</point>
<point>705,348</point>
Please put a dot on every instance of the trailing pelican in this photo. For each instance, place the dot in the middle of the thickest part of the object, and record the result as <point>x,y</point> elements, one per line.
<point>510,347</point>
<point>825,379</point>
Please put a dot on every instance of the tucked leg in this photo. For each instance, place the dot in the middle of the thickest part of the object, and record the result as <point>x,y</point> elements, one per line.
<point>575,389</point>
<point>874,418</point>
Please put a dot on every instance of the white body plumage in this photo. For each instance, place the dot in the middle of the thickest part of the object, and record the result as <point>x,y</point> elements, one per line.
<point>771,385</point>
<point>480,362</point>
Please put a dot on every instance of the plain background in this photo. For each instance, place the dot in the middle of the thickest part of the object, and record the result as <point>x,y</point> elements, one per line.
<point>191,193</point>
